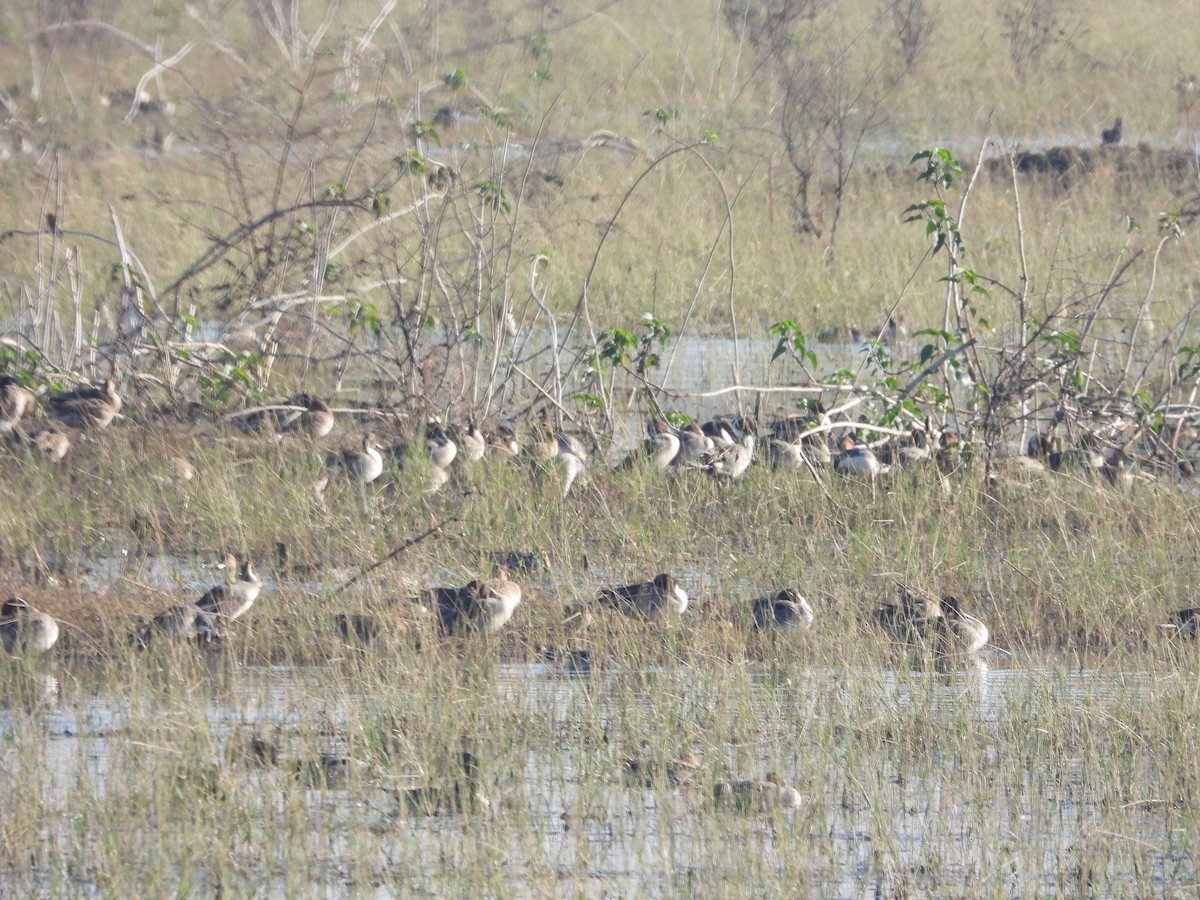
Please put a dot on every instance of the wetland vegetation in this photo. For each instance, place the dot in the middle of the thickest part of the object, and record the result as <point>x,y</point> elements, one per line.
<point>565,224</point>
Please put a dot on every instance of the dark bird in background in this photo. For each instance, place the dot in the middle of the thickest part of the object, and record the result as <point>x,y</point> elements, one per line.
<point>1112,135</point>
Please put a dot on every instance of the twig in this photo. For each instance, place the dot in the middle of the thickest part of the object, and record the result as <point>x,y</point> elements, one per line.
<point>396,551</point>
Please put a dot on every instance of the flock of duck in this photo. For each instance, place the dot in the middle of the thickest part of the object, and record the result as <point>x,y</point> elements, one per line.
<point>724,448</point>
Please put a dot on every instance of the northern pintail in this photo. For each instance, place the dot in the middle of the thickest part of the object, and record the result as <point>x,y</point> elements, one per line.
<point>857,460</point>
<point>761,795</point>
<point>556,453</point>
<point>912,617</point>
<point>480,606</point>
<point>786,611</point>
<point>51,442</point>
<point>181,622</point>
<point>442,449</point>
<point>693,445</point>
<point>315,418</point>
<point>472,445</point>
<point>1186,623</point>
<point>362,464</point>
<point>454,793</point>
<point>654,600</point>
<point>958,632</point>
<point>87,406</point>
<point>24,628</point>
<point>234,598</point>
<point>720,431</point>
<point>677,772</point>
<point>16,401</point>
<point>659,449</point>
<point>733,461</point>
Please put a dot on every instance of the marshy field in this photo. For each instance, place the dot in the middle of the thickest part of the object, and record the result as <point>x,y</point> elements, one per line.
<point>419,311</point>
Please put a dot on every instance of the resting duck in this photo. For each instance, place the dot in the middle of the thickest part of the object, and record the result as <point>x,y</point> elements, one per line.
<point>16,401</point>
<point>86,407</point>
<point>786,611</point>
<point>23,628</point>
<point>481,606</point>
<point>363,464</point>
<point>653,600</point>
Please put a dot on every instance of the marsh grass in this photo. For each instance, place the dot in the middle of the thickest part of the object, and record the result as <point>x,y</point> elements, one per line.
<point>300,756</point>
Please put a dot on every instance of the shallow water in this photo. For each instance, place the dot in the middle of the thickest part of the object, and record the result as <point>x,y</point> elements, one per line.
<point>911,830</point>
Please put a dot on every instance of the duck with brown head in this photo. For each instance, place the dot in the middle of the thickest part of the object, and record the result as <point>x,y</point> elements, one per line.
<point>26,629</point>
<point>656,600</point>
<point>86,407</point>
<point>234,598</point>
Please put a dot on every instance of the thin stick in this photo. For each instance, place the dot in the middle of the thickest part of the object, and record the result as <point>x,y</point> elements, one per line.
<point>392,554</point>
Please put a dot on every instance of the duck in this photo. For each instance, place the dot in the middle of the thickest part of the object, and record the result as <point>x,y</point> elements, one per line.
<point>88,406</point>
<point>24,628</point>
<point>654,600</point>
<point>51,442</point>
<point>676,772</point>
<point>733,461</point>
<point>857,460</point>
<point>910,620</point>
<point>762,795</point>
<point>233,599</point>
<point>481,606</point>
<point>362,464</point>
<point>786,611</point>
<point>1112,135</point>
<point>502,440</point>
<point>959,633</point>
<point>181,622</point>
<point>316,418</point>
<point>693,445</point>
<point>472,445</point>
<point>1186,623</point>
<point>658,450</point>
<point>720,431</point>
<point>915,452</point>
<point>442,449</point>
<point>557,453</point>
<point>16,401</point>
<point>456,793</point>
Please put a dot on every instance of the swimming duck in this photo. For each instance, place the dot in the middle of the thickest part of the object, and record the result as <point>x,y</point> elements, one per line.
<point>233,599</point>
<point>786,611</point>
<point>857,460</point>
<point>182,622</point>
<point>363,464</point>
<point>24,628</point>
<point>762,795</point>
<point>479,606</point>
<point>653,600</point>
<point>958,632</point>
<point>87,406</point>
<point>16,401</point>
